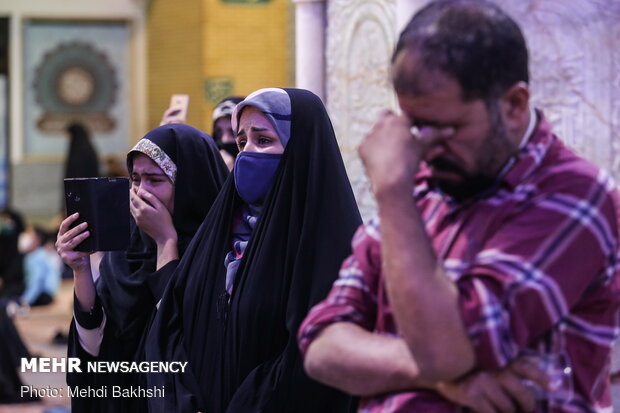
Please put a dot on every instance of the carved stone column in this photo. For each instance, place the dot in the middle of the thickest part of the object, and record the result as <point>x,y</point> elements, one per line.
<point>360,38</point>
<point>310,25</point>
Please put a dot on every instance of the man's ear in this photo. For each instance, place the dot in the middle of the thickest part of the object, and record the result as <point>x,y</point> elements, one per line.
<point>515,107</point>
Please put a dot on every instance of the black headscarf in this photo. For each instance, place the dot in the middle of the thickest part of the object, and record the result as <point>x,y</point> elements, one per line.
<point>129,285</point>
<point>242,352</point>
<point>200,173</point>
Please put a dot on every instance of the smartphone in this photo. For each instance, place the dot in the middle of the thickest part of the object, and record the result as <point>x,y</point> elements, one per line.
<point>177,110</point>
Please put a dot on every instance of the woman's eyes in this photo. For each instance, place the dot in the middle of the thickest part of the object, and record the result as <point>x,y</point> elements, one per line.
<point>261,140</point>
<point>136,181</point>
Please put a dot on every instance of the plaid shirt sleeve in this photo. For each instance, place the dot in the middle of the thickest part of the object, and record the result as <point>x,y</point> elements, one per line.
<point>550,266</point>
<point>353,297</point>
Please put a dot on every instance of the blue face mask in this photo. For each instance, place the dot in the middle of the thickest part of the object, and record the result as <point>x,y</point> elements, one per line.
<point>254,174</point>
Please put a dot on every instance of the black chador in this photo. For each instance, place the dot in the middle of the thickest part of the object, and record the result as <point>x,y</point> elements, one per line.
<point>241,344</point>
<point>129,286</point>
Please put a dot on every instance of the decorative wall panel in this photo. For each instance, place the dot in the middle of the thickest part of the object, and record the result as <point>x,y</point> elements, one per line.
<point>76,71</point>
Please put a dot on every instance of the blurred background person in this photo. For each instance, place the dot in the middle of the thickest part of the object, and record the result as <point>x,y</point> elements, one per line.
<point>12,349</point>
<point>11,260</point>
<point>222,129</point>
<point>41,268</point>
<point>82,160</point>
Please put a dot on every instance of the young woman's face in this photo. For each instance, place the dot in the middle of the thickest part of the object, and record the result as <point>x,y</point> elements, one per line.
<point>146,175</point>
<point>256,133</point>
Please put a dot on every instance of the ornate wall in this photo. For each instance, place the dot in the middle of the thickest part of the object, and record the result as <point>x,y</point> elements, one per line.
<point>360,37</point>
<point>575,71</point>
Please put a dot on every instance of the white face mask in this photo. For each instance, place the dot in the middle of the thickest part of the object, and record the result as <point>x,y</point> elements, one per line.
<point>26,242</point>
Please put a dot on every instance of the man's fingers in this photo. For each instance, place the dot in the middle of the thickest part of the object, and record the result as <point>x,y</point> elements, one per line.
<point>528,367</point>
<point>518,391</point>
<point>484,406</point>
<point>496,397</point>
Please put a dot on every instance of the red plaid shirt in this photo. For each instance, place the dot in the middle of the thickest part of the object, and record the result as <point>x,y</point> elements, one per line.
<point>536,265</point>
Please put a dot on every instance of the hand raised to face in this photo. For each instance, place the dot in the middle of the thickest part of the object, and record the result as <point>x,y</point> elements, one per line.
<point>393,149</point>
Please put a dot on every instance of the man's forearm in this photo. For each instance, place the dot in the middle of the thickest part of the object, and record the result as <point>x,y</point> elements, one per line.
<point>359,362</point>
<point>423,298</point>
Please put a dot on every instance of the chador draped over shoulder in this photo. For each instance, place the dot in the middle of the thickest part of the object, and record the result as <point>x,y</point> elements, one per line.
<point>130,285</point>
<point>241,348</point>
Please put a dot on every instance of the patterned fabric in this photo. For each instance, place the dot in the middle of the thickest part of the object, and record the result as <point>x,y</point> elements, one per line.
<point>225,108</point>
<point>242,230</point>
<point>161,158</point>
<point>275,104</point>
<point>536,263</point>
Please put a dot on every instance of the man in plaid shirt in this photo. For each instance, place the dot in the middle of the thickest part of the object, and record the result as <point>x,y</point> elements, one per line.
<point>508,247</point>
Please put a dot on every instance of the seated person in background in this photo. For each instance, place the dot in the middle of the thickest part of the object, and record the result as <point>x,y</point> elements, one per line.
<point>222,129</point>
<point>41,270</point>
<point>506,246</point>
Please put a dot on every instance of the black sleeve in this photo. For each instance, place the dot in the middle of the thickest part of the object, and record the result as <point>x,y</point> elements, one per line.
<point>159,279</point>
<point>88,319</point>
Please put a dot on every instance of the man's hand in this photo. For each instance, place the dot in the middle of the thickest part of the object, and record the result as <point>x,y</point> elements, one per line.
<point>502,391</point>
<point>420,293</point>
<point>393,149</point>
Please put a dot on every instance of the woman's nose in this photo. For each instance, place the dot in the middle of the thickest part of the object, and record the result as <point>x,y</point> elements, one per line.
<point>143,186</point>
<point>249,147</point>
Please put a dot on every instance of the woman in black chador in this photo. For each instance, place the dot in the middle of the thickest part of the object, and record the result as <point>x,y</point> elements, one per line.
<point>82,161</point>
<point>269,249</point>
<point>176,172</point>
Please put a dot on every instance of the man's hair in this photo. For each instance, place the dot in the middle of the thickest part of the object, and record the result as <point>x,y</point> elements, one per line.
<point>473,41</point>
